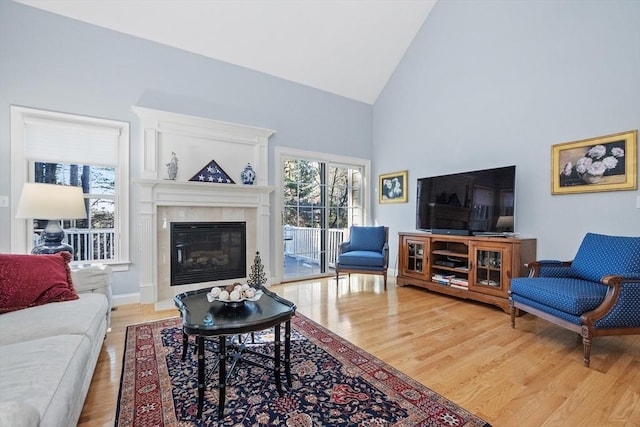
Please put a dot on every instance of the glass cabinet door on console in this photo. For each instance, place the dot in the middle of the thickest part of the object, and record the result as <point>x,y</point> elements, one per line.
<point>490,269</point>
<point>416,258</point>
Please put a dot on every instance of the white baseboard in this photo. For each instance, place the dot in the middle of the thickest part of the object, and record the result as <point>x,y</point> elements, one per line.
<point>125,299</point>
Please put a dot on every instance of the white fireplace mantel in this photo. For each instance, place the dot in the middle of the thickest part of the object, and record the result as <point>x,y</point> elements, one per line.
<point>196,141</point>
<point>155,194</point>
<point>175,193</point>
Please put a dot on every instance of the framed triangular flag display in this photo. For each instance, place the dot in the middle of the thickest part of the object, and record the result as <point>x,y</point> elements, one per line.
<point>212,172</point>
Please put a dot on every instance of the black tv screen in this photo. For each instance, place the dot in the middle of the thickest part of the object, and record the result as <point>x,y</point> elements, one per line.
<point>476,202</point>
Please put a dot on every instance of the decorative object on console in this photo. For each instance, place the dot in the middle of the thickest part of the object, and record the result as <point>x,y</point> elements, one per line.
<point>257,277</point>
<point>504,222</point>
<point>53,203</point>
<point>212,172</point>
<point>392,187</point>
<point>605,163</point>
<point>172,167</point>
<point>248,175</point>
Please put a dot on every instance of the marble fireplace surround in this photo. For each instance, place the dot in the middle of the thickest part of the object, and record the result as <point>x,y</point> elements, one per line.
<point>196,141</point>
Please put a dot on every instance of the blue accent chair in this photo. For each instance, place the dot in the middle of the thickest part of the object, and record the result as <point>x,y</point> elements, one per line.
<point>596,294</point>
<point>366,252</point>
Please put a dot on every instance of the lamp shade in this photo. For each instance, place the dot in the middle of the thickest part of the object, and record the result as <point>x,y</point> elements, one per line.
<point>505,222</point>
<point>51,201</point>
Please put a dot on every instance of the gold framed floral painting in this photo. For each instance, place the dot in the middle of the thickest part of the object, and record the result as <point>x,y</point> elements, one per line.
<point>393,187</point>
<point>604,163</point>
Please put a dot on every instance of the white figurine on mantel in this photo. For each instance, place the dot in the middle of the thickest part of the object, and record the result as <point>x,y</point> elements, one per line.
<point>172,167</point>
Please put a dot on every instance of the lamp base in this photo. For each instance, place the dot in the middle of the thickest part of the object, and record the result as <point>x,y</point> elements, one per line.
<point>52,236</point>
<point>46,249</point>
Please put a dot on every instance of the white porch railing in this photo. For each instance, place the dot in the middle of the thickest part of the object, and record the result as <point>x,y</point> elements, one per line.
<point>299,242</point>
<point>88,245</point>
<point>304,243</point>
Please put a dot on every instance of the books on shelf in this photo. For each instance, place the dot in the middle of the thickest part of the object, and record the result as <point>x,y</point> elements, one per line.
<point>459,282</point>
<point>442,279</point>
<point>450,280</point>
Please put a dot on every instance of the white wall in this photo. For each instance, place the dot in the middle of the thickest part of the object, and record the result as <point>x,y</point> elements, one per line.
<point>494,83</point>
<point>55,63</point>
<point>485,83</point>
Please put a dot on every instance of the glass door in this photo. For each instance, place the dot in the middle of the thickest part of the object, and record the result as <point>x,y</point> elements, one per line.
<point>490,273</point>
<point>321,201</point>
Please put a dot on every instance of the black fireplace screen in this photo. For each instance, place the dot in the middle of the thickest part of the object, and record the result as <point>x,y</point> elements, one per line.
<point>207,251</point>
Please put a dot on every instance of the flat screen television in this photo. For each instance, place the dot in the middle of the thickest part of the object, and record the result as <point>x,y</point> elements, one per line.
<point>480,202</point>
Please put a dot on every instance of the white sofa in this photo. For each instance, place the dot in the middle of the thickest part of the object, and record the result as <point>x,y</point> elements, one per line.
<point>48,354</point>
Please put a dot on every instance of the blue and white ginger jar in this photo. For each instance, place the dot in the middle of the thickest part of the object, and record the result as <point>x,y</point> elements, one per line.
<point>248,175</point>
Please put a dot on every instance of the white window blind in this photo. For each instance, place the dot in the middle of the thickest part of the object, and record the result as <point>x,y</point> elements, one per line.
<point>70,142</point>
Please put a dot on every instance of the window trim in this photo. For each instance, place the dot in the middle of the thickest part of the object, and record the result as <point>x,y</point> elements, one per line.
<point>20,173</point>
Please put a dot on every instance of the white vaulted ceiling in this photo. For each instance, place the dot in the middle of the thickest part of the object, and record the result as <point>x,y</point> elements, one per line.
<point>346,47</point>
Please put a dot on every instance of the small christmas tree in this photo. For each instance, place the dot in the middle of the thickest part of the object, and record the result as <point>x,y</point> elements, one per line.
<point>257,276</point>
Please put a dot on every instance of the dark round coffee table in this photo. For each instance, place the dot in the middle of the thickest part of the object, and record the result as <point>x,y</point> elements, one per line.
<point>204,319</point>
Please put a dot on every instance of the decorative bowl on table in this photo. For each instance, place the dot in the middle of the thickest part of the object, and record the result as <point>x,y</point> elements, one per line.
<point>234,295</point>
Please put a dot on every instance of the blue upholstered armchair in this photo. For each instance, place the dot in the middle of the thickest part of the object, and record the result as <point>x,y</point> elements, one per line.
<point>366,252</point>
<point>596,294</point>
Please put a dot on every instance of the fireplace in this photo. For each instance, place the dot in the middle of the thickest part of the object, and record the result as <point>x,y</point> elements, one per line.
<point>197,140</point>
<point>207,251</point>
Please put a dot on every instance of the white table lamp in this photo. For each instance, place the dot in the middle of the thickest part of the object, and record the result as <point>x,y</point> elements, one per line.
<point>53,203</point>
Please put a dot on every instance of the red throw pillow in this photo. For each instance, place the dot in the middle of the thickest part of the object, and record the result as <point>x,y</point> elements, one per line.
<point>30,280</point>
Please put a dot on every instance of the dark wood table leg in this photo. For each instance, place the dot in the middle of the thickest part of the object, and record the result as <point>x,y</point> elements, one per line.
<point>201,374</point>
<point>276,361</point>
<point>185,345</point>
<point>222,375</point>
<point>287,351</point>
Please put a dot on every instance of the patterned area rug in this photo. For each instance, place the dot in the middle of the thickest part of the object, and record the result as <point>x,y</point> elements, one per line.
<point>334,384</point>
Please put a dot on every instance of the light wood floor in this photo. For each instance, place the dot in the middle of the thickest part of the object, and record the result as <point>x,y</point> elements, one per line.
<point>528,376</point>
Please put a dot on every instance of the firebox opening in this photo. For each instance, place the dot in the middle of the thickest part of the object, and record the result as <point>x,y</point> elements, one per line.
<point>207,251</point>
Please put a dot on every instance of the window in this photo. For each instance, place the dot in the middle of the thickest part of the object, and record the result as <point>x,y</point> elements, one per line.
<point>93,238</point>
<point>67,149</point>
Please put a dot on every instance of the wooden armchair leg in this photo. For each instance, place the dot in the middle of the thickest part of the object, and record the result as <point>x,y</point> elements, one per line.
<point>586,343</point>
<point>513,315</point>
<point>587,351</point>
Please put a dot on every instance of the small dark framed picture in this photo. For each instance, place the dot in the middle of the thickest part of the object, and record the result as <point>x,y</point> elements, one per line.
<point>393,187</point>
